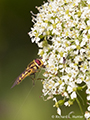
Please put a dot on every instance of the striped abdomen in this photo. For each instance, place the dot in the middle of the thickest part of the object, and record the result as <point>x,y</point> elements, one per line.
<point>21,77</point>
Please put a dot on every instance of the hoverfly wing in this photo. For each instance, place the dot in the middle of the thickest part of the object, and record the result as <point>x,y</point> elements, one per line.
<point>15,83</point>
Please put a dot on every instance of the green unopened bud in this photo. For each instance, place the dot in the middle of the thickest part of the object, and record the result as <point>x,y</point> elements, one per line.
<point>71,102</point>
<point>61,102</point>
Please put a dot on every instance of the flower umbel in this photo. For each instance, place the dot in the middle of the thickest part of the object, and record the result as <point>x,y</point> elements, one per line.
<point>62,32</point>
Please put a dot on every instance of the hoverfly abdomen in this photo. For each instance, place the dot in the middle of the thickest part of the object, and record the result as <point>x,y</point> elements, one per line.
<point>19,79</point>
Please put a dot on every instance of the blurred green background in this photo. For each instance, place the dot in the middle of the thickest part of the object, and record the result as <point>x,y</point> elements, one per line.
<point>16,51</point>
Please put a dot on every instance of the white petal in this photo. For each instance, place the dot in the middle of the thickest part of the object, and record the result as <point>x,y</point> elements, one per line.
<point>73,95</point>
<point>54,99</point>
<point>59,111</point>
<point>88,108</point>
<point>88,97</point>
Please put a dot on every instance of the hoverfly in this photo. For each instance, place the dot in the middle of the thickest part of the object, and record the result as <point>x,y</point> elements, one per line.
<point>31,69</point>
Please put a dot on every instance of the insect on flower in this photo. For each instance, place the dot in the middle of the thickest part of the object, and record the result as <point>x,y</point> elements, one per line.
<point>31,69</point>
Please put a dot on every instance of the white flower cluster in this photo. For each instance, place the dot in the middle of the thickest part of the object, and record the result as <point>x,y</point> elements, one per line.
<point>62,32</point>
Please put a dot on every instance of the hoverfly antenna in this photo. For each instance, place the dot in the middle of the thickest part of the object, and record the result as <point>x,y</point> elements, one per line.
<point>40,58</point>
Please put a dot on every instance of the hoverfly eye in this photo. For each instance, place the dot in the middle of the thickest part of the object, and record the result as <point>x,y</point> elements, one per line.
<point>38,62</point>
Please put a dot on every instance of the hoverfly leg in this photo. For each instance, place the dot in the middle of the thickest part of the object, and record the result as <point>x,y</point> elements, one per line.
<point>33,82</point>
<point>40,78</point>
<point>33,79</point>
